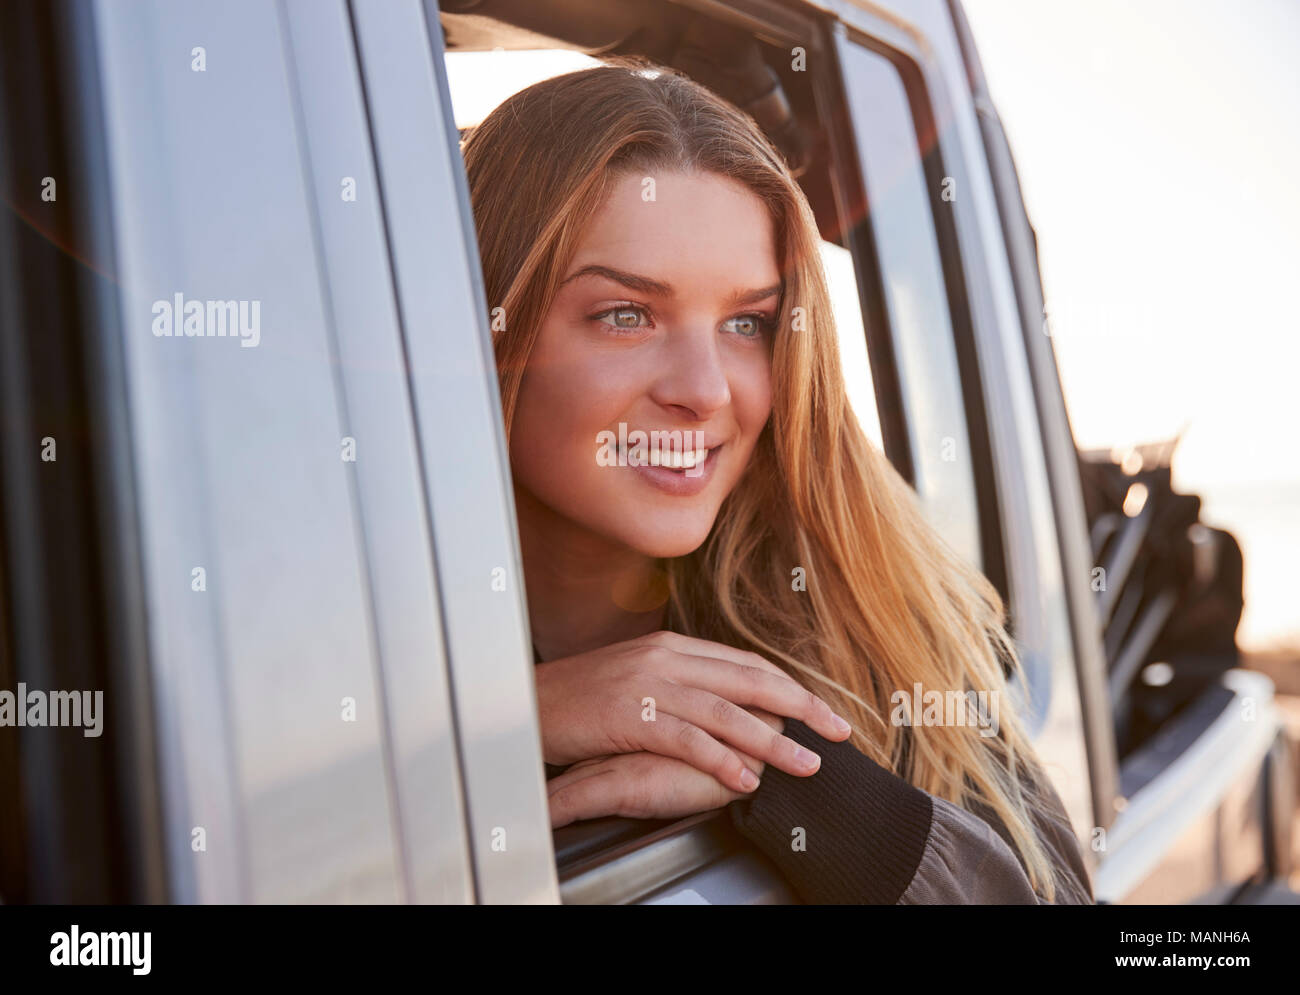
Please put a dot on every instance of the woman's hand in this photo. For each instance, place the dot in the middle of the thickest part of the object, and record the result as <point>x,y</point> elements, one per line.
<point>594,705</point>
<point>642,786</point>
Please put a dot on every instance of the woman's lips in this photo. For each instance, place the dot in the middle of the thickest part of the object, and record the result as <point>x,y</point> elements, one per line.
<point>687,480</point>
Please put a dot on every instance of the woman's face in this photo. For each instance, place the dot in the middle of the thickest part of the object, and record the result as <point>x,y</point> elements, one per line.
<point>663,323</point>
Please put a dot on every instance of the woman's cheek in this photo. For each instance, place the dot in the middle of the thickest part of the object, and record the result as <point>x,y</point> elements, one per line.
<point>563,407</point>
<point>754,410</point>
<point>752,397</point>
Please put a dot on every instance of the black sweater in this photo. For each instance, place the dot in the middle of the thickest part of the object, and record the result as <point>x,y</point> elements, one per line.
<point>870,837</point>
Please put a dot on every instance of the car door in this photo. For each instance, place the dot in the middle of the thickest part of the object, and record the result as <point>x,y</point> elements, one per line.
<point>288,472</point>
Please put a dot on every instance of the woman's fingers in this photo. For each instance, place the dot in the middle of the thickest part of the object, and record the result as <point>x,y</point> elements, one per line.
<point>577,795</point>
<point>723,720</point>
<point>620,785</point>
<point>671,735</point>
<point>634,785</point>
<point>768,719</point>
<point>748,684</point>
<point>691,700</point>
<point>693,646</point>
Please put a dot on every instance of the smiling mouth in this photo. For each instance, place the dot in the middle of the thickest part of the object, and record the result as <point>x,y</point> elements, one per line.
<point>675,461</point>
<point>690,459</point>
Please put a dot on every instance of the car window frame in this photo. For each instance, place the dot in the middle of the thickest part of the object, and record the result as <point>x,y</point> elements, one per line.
<point>924,32</point>
<point>1062,459</point>
<point>914,381</point>
<point>488,643</point>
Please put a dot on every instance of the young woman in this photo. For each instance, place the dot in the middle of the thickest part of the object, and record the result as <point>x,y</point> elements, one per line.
<point>710,622</point>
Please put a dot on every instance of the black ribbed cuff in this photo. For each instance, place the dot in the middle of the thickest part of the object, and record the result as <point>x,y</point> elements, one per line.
<point>865,828</point>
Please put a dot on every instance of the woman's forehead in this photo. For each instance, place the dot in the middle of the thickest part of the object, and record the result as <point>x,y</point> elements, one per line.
<point>682,229</point>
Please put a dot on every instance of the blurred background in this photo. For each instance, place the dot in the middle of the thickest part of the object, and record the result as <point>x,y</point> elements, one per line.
<point>1154,143</point>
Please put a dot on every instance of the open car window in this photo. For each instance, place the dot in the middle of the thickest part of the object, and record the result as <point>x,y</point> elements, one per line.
<point>875,210</point>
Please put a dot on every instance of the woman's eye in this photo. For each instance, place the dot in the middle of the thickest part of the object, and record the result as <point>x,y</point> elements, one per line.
<point>630,318</point>
<point>623,317</point>
<point>748,326</point>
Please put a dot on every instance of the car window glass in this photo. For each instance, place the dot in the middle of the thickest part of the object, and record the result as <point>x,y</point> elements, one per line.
<point>840,279</point>
<point>899,204</point>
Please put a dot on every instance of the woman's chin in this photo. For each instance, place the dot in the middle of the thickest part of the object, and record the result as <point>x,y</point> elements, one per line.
<point>664,540</point>
<point>670,549</point>
<point>667,545</point>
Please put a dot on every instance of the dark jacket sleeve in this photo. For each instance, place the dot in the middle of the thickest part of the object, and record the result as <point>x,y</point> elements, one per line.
<point>869,837</point>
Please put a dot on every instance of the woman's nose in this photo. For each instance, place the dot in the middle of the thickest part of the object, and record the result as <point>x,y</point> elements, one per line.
<point>691,375</point>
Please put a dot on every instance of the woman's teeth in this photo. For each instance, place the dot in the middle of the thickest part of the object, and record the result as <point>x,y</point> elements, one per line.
<point>669,459</point>
<point>679,461</point>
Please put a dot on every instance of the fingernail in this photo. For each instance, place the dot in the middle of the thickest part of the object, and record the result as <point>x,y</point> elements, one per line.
<point>748,779</point>
<point>840,724</point>
<point>806,758</point>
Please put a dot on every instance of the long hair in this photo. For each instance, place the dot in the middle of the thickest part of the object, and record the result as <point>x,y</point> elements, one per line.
<point>885,603</point>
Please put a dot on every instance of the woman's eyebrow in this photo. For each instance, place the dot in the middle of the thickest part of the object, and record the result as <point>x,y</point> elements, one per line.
<point>641,283</point>
<point>648,286</point>
<point>754,296</point>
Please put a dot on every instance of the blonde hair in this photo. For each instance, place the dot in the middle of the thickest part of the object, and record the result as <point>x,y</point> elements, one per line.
<point>887,602</point>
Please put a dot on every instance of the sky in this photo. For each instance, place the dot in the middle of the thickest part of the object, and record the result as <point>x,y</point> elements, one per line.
<point>1153,140</point>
